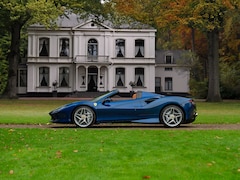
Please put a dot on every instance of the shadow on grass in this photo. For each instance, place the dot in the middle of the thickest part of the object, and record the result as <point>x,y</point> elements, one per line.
<point>120,126</point>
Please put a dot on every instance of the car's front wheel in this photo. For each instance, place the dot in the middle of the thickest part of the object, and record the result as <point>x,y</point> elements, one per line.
<point>172,116</point>
<point>83,116</point>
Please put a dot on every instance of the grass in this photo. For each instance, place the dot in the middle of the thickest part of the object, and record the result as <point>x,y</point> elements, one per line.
<point>226,112</point>
<point>27,111</point>
<point>36,111</point>
<point>119,154</point>
<point>74,153</point>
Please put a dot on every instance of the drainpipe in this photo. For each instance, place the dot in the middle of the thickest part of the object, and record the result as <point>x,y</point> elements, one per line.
<point>74,79</point>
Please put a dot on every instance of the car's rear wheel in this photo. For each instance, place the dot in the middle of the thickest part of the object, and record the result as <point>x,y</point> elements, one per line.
<point>172,116</point>
<point>83,116</point>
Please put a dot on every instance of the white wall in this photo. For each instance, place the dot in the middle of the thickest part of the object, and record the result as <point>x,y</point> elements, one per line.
<point>179,75</point>
<point>78,39</point>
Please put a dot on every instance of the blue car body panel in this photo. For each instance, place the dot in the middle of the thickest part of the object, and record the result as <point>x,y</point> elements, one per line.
<point>146,108</point>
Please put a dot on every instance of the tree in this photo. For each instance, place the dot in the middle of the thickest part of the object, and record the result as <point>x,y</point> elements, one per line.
<point>229,55</point>
<point>4,44</point>
<point>206,16</point>
<point>3,71</point>
<point>16,14</point>
<point>210,17</point>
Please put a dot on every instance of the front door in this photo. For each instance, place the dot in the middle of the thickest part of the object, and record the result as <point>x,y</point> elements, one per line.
<point>92,79</point>
<point>157,84</point>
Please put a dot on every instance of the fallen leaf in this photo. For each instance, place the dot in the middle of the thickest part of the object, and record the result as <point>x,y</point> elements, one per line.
<point>58,154</point>
<point>75,150</point>
<point>146,177</point>
<point>209,164</point>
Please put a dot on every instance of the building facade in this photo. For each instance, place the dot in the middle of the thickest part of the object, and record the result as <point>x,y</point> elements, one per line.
<point>82,56</point>
<point>172,72</point>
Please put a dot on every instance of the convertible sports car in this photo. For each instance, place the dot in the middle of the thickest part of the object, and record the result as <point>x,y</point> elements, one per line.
<point>145,107</point>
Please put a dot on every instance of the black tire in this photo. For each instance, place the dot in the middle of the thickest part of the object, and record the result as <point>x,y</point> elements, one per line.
<point>83,116</point>
<point>172,116</point>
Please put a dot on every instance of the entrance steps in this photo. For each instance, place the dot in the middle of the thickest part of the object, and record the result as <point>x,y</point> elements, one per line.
<point>86,94</point>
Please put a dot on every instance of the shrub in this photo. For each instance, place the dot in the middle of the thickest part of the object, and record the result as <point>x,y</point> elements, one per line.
<point>198,89</point>
<point>3,73</point>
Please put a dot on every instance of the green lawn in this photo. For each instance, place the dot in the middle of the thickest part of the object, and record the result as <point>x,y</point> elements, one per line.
<point>119,154</point>
<point>74,153</point>
<point>225,112</point>
<point>36,111</point>
<point>28,111</point>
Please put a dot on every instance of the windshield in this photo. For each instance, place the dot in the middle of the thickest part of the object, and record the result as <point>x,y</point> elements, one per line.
<point>104,96</point>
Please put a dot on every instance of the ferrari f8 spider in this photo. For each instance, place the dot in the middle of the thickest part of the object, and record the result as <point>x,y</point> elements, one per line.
<point>145,107</point>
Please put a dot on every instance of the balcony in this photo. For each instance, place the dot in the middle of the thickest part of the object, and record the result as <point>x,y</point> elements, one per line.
<point>130,60</point>
<point>91,59</point>
<point>49,59</point>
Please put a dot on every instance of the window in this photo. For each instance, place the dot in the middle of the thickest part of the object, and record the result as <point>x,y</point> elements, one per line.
<point>92,47</point>
<point>169,59</point>
<point>168,69</point>
<point>64,77</point>
<point>64,47</point>
<point>22,78</point>
<point>157,84</point>
<point>44,76</point>
<point>44,47</point>
<point>139,48</point>
<point>168,84</point>
<point>120,48</point>
<point>139,76</point>
<point>120,77</point>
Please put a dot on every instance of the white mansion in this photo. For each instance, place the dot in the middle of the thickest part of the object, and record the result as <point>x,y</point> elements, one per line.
<point>82,56</point>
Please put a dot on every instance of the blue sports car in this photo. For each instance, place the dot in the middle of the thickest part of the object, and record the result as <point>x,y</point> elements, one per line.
<point>144,107</point>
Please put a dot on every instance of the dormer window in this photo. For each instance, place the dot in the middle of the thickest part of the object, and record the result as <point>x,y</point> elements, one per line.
<point>44,47</point>
<point>120,48</point>
<point>139,48</point>
<point>169,59</point>
<point>64,47</point>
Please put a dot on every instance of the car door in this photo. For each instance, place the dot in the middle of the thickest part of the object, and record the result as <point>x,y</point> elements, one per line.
<point>122,110</point>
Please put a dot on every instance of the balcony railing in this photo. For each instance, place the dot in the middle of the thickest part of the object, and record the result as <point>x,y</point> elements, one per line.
<point>90,59</point>
<point>49,59</point>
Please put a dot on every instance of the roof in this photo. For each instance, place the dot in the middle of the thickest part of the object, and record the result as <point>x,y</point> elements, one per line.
<point>72,20</point>
<point>178,56</point>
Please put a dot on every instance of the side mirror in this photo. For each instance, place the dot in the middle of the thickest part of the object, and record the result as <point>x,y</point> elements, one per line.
<point>106,101</point>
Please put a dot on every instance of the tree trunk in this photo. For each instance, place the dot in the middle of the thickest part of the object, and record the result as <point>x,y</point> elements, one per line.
<point>213,67</point>
<point>193,39</point>
<point>13,57</point>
